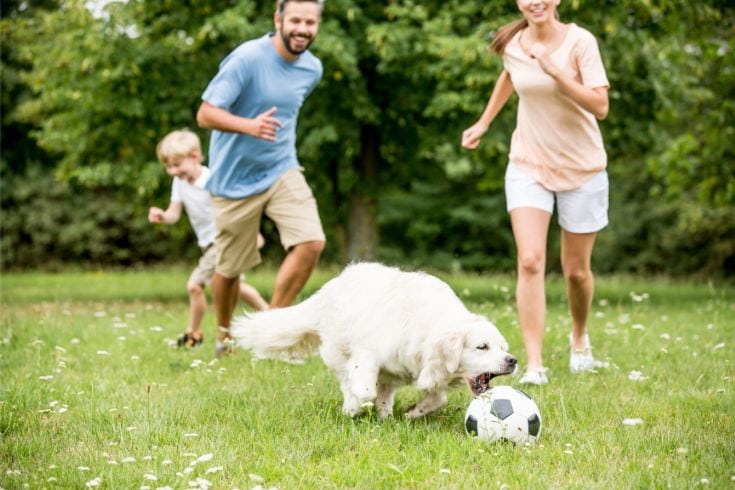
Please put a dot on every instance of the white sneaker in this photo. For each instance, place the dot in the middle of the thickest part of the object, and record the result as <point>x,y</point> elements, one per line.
<point>534,378</point>
<point>581,360</point>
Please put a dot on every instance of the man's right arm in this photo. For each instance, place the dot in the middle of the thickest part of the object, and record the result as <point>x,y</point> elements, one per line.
<point>263,126</point>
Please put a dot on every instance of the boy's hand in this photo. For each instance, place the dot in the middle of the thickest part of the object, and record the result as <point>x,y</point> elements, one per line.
<point>155,215</point>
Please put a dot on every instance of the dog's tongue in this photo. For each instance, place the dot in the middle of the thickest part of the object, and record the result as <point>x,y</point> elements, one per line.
<point>480,384</point>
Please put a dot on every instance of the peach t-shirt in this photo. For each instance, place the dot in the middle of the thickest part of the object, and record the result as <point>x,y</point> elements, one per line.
<point>556,141</point>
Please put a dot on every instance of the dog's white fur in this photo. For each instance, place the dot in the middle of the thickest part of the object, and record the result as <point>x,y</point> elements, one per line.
<point>378,328</point>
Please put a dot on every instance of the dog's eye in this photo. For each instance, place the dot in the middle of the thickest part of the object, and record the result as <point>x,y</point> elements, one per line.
<point>483,347</point>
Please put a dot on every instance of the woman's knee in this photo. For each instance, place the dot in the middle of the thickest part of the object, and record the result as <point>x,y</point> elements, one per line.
<point>577,274</point>
<point>531,263</point>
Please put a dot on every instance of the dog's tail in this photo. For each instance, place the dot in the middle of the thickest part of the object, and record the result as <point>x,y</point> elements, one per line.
<point>289,334</point>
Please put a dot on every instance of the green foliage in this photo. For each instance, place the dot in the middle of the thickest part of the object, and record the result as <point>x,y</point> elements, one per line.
<point>402,80</point>
<point>45,223</point>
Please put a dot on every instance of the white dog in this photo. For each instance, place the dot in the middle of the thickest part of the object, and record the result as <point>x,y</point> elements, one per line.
<point>378,328</point>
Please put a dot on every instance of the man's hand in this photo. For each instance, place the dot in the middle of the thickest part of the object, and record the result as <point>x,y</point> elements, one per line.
<point>264,126</point>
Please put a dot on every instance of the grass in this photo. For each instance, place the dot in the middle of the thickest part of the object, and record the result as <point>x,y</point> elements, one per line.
<point>92,394</point>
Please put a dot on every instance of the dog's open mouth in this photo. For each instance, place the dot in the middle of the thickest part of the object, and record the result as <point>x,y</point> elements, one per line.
<point>481,383</point>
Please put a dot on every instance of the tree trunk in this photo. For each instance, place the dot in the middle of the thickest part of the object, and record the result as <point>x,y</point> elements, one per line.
<point>363,225</point>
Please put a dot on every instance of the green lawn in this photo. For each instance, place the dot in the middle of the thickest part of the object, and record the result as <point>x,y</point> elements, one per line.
<point>93,394</point>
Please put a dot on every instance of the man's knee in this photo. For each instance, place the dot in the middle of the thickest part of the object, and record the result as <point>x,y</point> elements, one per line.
<point>311,249</point>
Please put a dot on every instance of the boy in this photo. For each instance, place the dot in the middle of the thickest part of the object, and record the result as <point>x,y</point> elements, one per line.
<point>180,152</point>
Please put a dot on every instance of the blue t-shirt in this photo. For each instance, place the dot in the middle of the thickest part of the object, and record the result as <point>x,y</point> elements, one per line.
<point>252,79</point>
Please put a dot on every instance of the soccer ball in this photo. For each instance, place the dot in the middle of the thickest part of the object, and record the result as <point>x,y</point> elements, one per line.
<point>503,413</point>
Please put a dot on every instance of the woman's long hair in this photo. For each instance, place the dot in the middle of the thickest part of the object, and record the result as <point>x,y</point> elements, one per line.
<point>505,33</point>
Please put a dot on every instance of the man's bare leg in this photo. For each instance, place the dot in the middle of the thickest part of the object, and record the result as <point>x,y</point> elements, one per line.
<point>224,293</point>
<point>295,271</point>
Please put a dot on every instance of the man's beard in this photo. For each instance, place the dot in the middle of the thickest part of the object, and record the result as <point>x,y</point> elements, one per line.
<point>286,38</point>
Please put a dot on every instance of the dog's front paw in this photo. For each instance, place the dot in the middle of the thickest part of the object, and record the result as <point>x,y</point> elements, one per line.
<point>415,412</point>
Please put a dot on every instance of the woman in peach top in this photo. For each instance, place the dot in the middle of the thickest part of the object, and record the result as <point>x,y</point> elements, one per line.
<point>557,155</point>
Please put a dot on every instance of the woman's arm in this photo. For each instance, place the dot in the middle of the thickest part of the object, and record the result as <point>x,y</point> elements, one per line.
<point>594,100</point>
<point>501,93</point>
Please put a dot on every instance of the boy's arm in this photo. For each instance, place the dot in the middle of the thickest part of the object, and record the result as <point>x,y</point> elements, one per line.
<point>169,216</point>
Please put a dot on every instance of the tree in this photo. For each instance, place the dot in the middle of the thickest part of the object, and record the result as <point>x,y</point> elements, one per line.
<point>380,135</point>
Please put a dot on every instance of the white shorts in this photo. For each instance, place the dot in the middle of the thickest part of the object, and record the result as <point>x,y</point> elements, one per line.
<point>580,210</point>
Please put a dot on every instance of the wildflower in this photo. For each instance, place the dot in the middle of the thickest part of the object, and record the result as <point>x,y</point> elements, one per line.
<point>94,482</point>
<point>636,376</point>
<point>205,457</point>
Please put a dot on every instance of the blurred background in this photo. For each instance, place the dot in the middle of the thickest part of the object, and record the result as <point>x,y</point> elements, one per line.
<point>89,88</point>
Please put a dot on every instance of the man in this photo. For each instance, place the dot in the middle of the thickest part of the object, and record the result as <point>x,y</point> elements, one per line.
<point>252,106</point>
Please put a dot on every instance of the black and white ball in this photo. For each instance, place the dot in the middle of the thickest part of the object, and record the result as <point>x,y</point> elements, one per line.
<point>503,413</point>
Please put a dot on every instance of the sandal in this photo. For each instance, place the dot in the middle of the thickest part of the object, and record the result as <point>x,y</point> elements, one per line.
<point>188,340</point>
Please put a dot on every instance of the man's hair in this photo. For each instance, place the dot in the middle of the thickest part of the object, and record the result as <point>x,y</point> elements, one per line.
<point>178,144</point>
<point>281,4</point>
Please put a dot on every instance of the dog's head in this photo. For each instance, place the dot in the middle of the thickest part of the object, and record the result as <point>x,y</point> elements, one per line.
<point>477,353</point>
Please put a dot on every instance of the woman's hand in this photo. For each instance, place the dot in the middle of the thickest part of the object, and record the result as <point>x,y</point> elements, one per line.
<point>540,54</point>
<point>471,136</point>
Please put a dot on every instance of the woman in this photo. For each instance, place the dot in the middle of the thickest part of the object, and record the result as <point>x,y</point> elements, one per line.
<point>556,154</point>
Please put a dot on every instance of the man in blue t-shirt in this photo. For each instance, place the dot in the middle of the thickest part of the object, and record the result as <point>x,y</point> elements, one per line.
<point>252,106</point>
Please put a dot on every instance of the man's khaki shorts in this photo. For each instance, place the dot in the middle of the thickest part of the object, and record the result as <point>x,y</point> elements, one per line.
<point>204,270</point>
<point>289,203</point>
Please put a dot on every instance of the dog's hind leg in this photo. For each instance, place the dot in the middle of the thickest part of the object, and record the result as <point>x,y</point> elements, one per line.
<point>432,401</point>
<point>386,396</point>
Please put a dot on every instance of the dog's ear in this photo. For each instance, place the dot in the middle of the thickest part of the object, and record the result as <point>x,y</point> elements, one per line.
<point>445,356</point>
<point>451,348</point>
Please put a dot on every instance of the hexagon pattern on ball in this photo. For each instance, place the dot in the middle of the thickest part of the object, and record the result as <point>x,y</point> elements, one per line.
<point>504,413</point>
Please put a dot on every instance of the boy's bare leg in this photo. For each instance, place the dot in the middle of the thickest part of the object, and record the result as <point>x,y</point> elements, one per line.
<point>197,307</point>
<point>295,271</point>
<point>252,297</point>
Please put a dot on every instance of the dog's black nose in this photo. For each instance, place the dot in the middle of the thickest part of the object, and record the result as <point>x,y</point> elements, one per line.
<point>511,361</point>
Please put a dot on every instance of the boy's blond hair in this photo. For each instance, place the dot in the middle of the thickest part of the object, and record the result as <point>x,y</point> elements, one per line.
<point>178,144</point>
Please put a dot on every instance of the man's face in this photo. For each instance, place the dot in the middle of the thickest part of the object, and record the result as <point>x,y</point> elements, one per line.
<point>298,26</point>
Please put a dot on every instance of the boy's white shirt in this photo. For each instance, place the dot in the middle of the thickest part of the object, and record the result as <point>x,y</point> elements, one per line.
<point>198,205</point>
